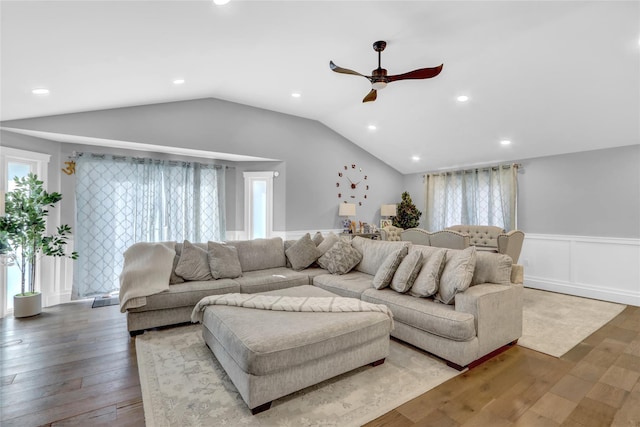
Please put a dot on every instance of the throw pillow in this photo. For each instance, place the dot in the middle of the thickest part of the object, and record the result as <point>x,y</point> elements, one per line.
<point>302,253</point>
<point>223,261</point>
<point>328,242</point>
<point>193,263</point>
<point>175,279</point>
<point>341,258</point>
<point>317,238</point>
<point>387,269</point>
<point>457,274</point>
<point>426,284</point>
<point>492,268</point>
<point>407,272</point>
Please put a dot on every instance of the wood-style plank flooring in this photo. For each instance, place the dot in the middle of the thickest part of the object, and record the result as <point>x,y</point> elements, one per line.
<point>74,365</point>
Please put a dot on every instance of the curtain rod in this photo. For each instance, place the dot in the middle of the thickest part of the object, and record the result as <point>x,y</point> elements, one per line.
<point>486,168</point>
<point>75,155</point>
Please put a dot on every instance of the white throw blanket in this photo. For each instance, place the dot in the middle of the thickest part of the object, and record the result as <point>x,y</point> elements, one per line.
<point>146,271</point>
<point>282,303</point>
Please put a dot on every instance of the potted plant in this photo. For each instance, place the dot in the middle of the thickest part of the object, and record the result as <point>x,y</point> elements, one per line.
<point>23,238</point>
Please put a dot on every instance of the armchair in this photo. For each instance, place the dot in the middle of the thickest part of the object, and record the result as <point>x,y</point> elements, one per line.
<point>390,233</point>
<point>511,244</point>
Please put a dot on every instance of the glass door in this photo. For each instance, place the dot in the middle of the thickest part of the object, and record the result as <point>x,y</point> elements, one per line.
<point>16,163</point>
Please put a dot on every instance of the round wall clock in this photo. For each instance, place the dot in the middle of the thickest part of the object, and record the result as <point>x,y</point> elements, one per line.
<point>352,184</point>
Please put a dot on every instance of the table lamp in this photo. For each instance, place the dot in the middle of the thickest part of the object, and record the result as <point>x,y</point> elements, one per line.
<point>347,210</point>
<point>387,211</point>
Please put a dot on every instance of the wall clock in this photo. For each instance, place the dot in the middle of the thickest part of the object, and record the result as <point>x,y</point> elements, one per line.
<point>352,184</point>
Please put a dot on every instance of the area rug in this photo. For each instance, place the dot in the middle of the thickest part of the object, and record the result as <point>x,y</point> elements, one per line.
<point>555,323</point>
<point>183,385</point>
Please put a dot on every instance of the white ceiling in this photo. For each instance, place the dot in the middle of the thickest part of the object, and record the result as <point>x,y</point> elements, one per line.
<point>553,77</point>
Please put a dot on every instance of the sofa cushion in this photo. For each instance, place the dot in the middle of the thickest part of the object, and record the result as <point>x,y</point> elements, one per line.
<point>174,277</point>
<point>388,268</point>
<point>341,258</point>
<point>328,242</point>
<point>374,252</point>
<point>407,272</point>
<point>302,253</point>
<point>260,254</point>
<point>457,274</point>
<point>428,280</point>
<point>193,263</point>
<point>317,238</point>
<point>350,285</point>
<point>188,294</point>
<point>223,261</point>
<point>492,268</point>
<point>271,279</point>
<point>425,314</point>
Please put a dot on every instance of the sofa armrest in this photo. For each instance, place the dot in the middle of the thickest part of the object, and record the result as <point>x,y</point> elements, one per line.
<point>497,312</point>
<point>517,274</point>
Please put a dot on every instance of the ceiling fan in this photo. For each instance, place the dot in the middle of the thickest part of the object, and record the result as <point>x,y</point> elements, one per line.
<point>379,78</point>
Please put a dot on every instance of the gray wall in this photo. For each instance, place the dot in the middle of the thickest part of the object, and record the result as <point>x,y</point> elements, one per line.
<point>591,193</point>
<point>309,154</point>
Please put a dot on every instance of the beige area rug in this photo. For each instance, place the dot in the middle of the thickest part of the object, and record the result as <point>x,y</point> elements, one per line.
<point>183,385</point>
<point>555,323</point>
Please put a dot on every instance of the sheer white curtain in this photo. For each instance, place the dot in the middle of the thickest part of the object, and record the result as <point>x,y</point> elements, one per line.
<point>486,196</point>
<point>123,200</point>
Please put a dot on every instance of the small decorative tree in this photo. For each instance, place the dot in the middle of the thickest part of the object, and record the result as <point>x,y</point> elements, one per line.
<point>407,215</point>
<point>23,229</point>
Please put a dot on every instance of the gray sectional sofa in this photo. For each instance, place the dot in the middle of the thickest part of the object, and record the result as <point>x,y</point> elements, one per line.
<point>471,324</point>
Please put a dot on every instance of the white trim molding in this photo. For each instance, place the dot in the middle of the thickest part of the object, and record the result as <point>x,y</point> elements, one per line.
<point>605,268</point>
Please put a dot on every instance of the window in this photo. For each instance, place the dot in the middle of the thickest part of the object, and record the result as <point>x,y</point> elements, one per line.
<point>17,163</point>
<point>258,204</point>
<point>123,200</point>
<point>484,196</point>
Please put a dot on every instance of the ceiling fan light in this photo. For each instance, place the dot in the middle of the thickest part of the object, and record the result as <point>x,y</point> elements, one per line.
<point>379,85</point>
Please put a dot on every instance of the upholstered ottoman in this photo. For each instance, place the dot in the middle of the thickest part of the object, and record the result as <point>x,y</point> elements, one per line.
<point>270,354</point>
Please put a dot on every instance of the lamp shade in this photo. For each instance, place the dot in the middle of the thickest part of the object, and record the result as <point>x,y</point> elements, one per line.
<point>388,210</point>
<point>347,209</point>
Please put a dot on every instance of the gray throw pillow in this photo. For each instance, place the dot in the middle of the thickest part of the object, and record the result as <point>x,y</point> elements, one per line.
<point>385,272</point>
<point>492,268</point>
<point>328,242</point>
<point>223,261</point>
<point>407,272</point>
<point>302,253</point>
<point>175,279</point>
<point>457,274</point>
<point>341,258</point>
<point>193,263</point>
<point>426,284</point>
<point>317,238</point>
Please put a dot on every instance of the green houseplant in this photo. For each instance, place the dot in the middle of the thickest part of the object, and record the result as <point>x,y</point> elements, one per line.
<point>407,215</point>
<point>23,237</point>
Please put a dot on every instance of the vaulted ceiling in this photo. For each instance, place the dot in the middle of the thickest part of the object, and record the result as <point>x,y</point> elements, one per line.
<point>551,77</point>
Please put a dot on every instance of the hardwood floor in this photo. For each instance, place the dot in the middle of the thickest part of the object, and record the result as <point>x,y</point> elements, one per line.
<point>73,365</point>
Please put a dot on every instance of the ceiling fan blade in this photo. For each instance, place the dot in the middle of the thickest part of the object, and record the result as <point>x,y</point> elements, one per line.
<point>371,96</point>
<point>337,69</point>
<point>422,73</point>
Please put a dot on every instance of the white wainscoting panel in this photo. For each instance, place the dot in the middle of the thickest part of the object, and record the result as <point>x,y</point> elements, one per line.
<point>594,267</point>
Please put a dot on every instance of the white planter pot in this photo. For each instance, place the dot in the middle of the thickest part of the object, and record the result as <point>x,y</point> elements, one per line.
<point>26,306</point>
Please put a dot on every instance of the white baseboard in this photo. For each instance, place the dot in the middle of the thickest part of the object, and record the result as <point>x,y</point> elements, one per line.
<point>593,267</point>
<point>284,235</point>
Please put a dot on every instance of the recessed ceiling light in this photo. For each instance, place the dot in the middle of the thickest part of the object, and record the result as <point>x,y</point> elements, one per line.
<point>40,91</point>
<point>415,158</point>
<point>505,142</point>
<point>296,95</point>
<point>221,2</point>
<point>178,81</point>
<point>372,127</point>
<point>462,98</point>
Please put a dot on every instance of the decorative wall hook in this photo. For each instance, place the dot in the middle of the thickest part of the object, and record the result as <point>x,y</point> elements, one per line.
<point>71,167</point>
